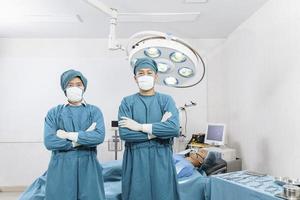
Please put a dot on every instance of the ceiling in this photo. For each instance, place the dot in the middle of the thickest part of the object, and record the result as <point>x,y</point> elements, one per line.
<point>217,19</point>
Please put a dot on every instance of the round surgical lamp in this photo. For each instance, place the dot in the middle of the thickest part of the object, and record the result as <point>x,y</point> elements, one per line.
<point>178,63</point>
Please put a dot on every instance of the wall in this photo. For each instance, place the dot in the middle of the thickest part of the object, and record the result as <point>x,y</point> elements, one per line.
<point>254,86</point>
<point>29,72</point>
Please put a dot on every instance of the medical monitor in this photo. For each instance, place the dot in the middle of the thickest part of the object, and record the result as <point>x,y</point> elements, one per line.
<point>215,134</point>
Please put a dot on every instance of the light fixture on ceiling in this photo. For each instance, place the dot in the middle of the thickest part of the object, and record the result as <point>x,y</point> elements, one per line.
<point>178,63</point>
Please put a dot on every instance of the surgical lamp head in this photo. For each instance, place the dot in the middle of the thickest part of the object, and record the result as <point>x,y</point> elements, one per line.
<point>177,62</point>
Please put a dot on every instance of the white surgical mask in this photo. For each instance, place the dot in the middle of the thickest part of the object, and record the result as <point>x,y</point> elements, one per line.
<point>145,82</point>
<point>74,94</point>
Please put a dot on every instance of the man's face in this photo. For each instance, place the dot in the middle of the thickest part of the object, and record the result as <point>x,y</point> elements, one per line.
<point>145,72</point>
<point>76,82</point>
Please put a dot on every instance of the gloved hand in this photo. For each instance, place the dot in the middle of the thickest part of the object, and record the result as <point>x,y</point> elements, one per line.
<point>75,144</point>
<point>73,136</point>
<point>62,134</point>
<point>130,124</point>
<point>91,128</point>
<point>166,116</point>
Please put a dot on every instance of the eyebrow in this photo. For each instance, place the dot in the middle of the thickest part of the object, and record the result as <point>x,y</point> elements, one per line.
<point>146,71</point>
<point>75,83</point>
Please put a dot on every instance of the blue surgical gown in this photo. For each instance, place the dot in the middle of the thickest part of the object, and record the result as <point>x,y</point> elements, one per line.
<point>73,173</point>
<point>148,171</point>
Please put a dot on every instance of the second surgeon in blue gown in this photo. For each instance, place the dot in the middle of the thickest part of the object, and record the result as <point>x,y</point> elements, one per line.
<point>74,171</point>
<point>148,122</point>
<point>72,132</point>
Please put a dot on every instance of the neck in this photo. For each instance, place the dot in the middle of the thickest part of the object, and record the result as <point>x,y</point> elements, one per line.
<point>150,92</point>
<point>75,103</point>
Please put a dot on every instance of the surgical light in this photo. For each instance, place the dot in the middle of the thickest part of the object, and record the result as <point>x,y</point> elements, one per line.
<point>179,64</point>
<point>177,57</point>
<point>170,81</point>
<point>152,52</point>
<point>162,67</point>
<point>185,72</point>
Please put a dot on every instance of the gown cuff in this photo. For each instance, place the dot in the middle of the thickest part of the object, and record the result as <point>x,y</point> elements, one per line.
<point>151,136</point>
<point>147,128</point>
<point>74,144</point>
<point>73,136</point>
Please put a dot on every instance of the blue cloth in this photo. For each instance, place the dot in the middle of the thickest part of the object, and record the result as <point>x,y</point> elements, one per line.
<point>69,75</point>
<point>74,173</point>
<point>36,191</point>
<point>184,168</point>
<point>112,171</point>
<point>148,168</point>
<point>147,63</point>
<point>112,174</point>
<point>237,186</point>
<point>194,187</point>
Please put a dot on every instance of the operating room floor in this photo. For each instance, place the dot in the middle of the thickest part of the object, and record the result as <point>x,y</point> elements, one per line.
<point>9,195</point>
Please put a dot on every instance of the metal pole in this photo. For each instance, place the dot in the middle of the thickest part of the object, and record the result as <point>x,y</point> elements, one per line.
<point>116,140</point>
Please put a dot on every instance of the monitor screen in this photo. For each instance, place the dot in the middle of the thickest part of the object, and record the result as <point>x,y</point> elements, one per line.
<point>215,134</point>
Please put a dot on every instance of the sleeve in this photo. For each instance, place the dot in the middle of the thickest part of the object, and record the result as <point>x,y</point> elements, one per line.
<point>125,133</point>
<point>95,137</point>
<point>51,141</point>
<point>169,128</point>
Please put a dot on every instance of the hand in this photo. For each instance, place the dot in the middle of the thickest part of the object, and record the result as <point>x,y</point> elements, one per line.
<point>74,144</point>
<point>73,136</point>
<point>130,124</point>
<point>62,134</point>
<point>151,136</point>
<point>92,127</point>
<point>166,116</point>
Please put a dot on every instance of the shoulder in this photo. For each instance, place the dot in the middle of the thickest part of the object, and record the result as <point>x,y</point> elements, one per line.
<point>164,97</point>
<point>129,99</point>
<point>94,108</point>
<point>55,110</point>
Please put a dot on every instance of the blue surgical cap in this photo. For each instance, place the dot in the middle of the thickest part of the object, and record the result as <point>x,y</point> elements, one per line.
<point>69,75</point>
<point>145,63</point>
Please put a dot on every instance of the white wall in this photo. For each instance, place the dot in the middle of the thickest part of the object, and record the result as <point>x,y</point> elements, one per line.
<point>29,73</point>
<point>254,86</point>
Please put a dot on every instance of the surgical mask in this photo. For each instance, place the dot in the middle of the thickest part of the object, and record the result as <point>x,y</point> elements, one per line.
<point>74,94</point>
<point>145,82</point>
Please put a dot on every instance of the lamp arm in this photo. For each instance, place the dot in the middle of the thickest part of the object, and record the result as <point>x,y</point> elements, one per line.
<point>113,14</point>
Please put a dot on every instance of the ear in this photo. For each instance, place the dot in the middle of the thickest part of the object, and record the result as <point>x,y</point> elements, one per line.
<point>135,78</point>
<point>156,78</point>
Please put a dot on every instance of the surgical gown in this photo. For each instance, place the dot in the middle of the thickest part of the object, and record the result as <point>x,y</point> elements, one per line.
<point>74,173</point>
<point>148,168</point>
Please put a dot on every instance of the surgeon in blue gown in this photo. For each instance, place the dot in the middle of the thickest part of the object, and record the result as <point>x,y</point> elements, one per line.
<point>148,122</point>
<point>72,132</point>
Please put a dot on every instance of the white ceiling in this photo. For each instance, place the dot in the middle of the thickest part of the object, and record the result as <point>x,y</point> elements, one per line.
<point>218,18</point>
